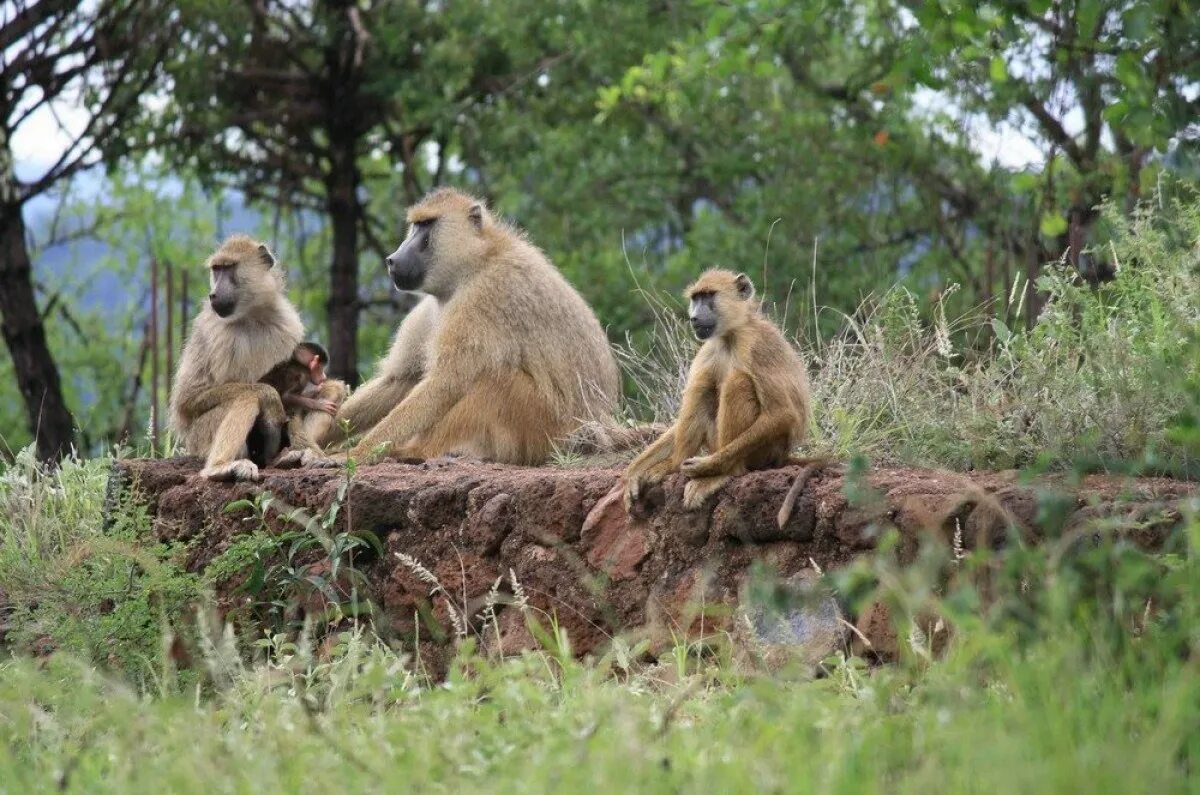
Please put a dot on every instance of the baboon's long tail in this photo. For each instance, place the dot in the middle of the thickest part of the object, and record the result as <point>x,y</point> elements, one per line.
<point>812,466</point>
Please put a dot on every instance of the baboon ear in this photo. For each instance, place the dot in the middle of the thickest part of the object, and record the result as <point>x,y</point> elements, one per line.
<point>745,287</point>
<point>266,256</point>
<point>476,216</point>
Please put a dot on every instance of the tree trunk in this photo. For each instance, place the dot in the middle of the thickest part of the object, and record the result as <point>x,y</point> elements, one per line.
<point>341,188</point>
<point>25,336</point>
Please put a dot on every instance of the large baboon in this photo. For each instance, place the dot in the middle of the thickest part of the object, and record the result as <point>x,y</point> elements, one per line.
<point>746,400</point>
<point>218,408</point>
<point>515,358</point>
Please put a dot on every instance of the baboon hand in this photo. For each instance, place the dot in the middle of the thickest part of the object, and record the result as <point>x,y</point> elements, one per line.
<point>699,467</point>
<point>633,488</point>
<point>241,469</point>
<point>327,406</point>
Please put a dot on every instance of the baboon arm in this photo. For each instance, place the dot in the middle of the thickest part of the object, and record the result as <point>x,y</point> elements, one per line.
<point>209,399</point>
<point>697,418</point>
<point>723,461</point>
<point>425,405</point>
<point>369,404</point>
<point>658,451</point>
<point>318,425</point>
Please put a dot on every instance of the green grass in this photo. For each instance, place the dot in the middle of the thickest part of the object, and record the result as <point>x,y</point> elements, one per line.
<point>1052,719</point>
<point>1072,667</point>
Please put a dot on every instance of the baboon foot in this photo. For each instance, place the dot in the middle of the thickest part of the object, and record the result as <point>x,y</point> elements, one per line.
<point>322,461</point>
<point>697,491</point>
<point>241,469</point>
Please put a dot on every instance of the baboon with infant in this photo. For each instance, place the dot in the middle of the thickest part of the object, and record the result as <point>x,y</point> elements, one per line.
<point>218,408</point>
<point>503,361</point>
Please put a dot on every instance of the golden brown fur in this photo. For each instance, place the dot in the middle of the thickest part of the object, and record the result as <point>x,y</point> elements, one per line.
<point>746,399</point>
<point>404,365</point>
<point>503,360</point>
<point>216,400</point>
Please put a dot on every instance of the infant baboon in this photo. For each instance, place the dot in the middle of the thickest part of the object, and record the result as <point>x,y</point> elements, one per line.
<point>246,326</point>
<point>310,399</point>
<point>746,399</point>
<point>507,358</point>
<point>299,378</point>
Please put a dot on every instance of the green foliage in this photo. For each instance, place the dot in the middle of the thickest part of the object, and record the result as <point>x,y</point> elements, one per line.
<point>1096,380</point>
<point>303,573</point>
<point>82,575</point>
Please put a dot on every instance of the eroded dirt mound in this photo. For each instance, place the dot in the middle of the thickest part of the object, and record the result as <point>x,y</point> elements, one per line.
<point>565,537</point>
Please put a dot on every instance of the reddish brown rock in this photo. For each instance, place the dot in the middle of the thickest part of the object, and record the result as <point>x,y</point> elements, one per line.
<point>595,572</point>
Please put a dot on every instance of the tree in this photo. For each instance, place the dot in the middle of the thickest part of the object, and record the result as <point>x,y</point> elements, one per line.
<point>1104,88</point>
<point>100,57</point>
<point>302,105</point>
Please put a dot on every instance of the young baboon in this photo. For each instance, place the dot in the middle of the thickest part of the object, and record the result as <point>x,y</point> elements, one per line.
<point>246,326</point>
<point>405,364</point>
<point>515,358</point>
<point>310,399</point>
<point>746,399</point>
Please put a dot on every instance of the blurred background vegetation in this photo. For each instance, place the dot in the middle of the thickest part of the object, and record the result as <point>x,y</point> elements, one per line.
<point>978,157</point>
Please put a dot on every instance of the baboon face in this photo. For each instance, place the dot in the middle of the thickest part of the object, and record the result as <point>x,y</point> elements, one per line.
<point>445,235</point>
<point>718,301</point>
<point>237,275</point>
<point>312,357</point>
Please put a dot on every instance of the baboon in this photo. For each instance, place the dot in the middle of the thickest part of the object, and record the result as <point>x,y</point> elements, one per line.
<point>297,378</point>
<point>746,399</point>
<point>514,361</point>
<point>310,399</point>
<point>404,365</point>
<point>218,408</point>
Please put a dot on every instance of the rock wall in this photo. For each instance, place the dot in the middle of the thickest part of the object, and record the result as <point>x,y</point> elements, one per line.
<point>565,537</point>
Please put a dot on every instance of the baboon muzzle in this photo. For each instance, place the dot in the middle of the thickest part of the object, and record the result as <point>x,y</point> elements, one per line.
<point>406,268</point>
<point>222,305</point>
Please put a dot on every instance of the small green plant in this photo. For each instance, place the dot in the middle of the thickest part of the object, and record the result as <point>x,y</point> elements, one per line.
<point>305,569</point>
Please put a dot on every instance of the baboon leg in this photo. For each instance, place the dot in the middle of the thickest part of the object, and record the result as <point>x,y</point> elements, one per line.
<point>317,424</point>
<point>501,418</point>
<point>226,456</point>
<point>747,436</point>
<point>369,404</point>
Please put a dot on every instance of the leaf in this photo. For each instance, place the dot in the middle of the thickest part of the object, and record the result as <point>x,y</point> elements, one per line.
<point>998,70</point>
<point>1026,181</point>
<point>1129,70</point>
<point>1003,335</point>
<point>1053,224</point>
<point>238,505</point>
